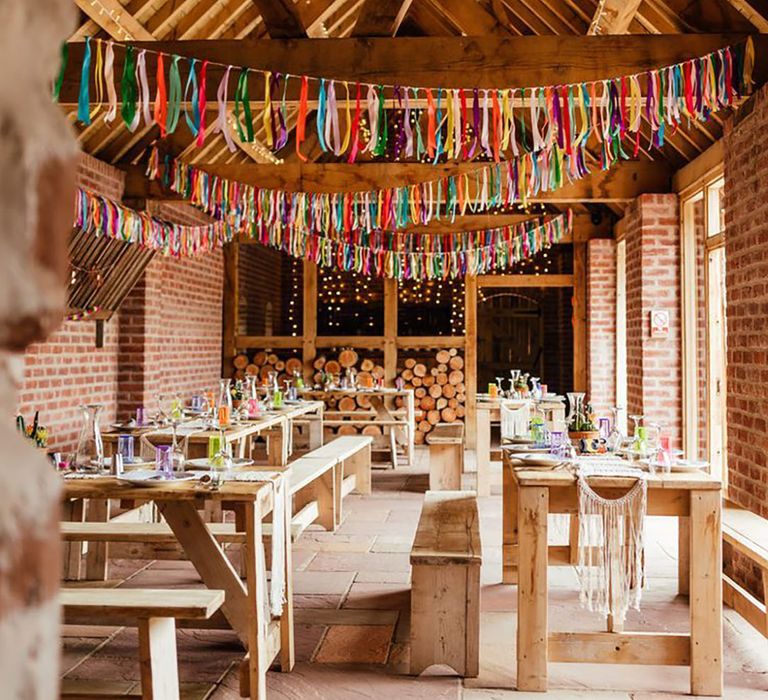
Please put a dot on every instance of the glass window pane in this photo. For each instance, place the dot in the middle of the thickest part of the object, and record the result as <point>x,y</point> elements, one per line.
<point>716,212</point>
<point>349,304</point>
<point>271,288</point>
<point>430,307</point>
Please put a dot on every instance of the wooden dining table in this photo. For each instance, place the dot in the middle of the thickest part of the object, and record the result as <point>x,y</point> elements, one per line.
<point>693,497</point>
<point>245,607</point>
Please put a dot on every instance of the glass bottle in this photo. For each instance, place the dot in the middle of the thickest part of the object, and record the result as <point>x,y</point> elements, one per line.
<point>89,453</point>
<point>225,394</point>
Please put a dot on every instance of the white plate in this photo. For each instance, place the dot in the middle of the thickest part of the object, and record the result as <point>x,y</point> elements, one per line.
<point>135,464</point>
<point>689,465</point>
<point>150,477</point>
<point>524,448</point>
<point>203,463</point>
<point>519,440</point>
<point>538,459</point>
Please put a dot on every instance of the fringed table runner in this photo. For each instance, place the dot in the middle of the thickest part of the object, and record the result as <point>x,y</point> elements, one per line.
<point>611,547</point>
<point>514,419</point>
<point>277,581</point>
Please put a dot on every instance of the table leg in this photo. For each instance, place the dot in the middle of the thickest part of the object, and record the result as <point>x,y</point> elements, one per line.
<point>483,452</point>
<point>277,446</point>
<point>683,554</point>
<point>532,589</point>
<point>211,562</point>
<point>287,653</point>
<point>509,507</point>
<point>706,593</point>
<point>257,603</point>
<point>96,559</point>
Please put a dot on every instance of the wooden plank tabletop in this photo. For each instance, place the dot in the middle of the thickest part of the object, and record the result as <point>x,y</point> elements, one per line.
<point>107,487</point>
<point>562,477</point>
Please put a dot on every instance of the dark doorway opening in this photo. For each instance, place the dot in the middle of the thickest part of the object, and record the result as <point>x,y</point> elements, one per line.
<point>525,328</point>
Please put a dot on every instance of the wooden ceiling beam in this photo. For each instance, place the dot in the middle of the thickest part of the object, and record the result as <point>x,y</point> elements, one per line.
<point>613,16</point>
<point>622,182</point>
<point>281,19</point>
<point>446,61</point>
<point>114,19</point>
<point>380,17</point>
<point>759,20</point>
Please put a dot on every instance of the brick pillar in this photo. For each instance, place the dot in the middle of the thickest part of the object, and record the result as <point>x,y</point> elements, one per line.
<point>601,324</point>
<point>654,365</point>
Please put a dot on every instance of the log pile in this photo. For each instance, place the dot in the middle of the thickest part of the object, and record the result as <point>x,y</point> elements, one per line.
<point>369,369</point>
<point>262,362</point>
<point>438,386</point>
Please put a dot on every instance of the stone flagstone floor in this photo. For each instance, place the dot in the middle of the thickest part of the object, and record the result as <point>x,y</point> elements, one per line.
<point>352,620</point>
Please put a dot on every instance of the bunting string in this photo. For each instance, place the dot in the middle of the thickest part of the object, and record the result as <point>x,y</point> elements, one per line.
<point>103,217</point>
<point>460,123</point>
<point>487,188</point>
<point>399,255</point>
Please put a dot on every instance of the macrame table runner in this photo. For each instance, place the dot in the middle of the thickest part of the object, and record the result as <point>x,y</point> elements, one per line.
<point>611,547</point>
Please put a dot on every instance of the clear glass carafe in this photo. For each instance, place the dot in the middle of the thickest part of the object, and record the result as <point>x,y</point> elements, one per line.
<point>225,394</point>
<point>89,453</point>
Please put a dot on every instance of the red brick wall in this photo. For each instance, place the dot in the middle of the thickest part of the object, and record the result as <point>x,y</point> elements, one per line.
<point>68,370</point>
<point>167,334</point>
<point>601,324</point>
<point>746,240</point>
<point>653,282</point>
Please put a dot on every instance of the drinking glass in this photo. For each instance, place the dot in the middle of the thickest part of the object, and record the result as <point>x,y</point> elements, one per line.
<point>164,461</point>
<point>125,445</point>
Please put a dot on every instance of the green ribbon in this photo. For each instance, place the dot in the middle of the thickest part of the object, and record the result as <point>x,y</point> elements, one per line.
<point>241,98</point>
<point>129,87</point>
<point>381,142</point>
<point>62,68</point>
<point>174,96</point>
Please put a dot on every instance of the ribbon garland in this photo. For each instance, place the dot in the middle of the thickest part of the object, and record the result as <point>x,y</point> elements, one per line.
<point>485,189</point>
<point>104,218</point>
<point>561,115</point>
<point>400,255</point>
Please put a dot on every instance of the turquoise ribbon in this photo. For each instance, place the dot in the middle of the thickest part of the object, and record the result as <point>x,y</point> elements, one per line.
<point>83,99</point>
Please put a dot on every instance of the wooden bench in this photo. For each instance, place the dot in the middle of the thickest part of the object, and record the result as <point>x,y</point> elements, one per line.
<point>446,456</point>
<point>155,613</point>
<point>747,533</point>
<point>445,588</point>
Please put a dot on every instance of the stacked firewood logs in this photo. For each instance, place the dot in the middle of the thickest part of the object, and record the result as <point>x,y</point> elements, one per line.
<point>262,362</point>
<point>368,370</point>
<point>438,386</point>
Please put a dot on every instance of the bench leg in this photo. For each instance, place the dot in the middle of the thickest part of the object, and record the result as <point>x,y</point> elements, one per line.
<point>445,618</point>
<point>315,427</point>
<point>444,467</point>
<point>98,552</point>
<point>73,511</point>
<point>359,464</point>
<point>327,493</point>
<point>157,659</point>
<point>277,447</point>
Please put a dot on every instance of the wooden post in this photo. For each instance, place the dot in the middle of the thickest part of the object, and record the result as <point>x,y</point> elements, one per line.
<point>390,331</point>
<point>309,320</point>
<point>470,357</point>
<point>231,293</point>
<point>483,451</point>
<point>580,317</point>
<point>532,632</point>
<point>706,593</point>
